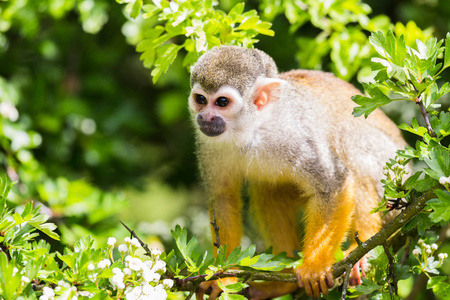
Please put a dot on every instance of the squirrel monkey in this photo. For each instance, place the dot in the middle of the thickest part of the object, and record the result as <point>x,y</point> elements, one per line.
<point>292,139</point>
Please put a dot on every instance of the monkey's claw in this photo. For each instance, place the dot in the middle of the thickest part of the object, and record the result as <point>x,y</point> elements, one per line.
<point>314,281</point>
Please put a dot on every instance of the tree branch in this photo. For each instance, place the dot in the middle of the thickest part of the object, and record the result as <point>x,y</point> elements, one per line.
<point>425,117</point>
<point>380,238</point>
<point>144,245</point>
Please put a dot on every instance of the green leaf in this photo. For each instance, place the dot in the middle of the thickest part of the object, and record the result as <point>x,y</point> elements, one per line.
<point>368,105</point>
<point>433,281</point>
<point>9,284</point>
<point>238,9</point>
<point>439,162</point>
<point>442,290</point>
<point>367,287</point>
<point>447,51</point>
<point>186,248</point>
<point>166,56</point>
<point>136,9</point>
<point>421,221</point>
<point>440,206</point>
<point>248,261</point>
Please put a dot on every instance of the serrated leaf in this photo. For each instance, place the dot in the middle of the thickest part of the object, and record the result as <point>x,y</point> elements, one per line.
<point>369,104</point>
<point>248,23</point>
<point>435,280</point>
<point>186,248</point>
<point>440,206</point>
<point>421,221</point>
<point>442,290</point>
<point>439,162</point>
<point>166,55</point>
<point>18,219</point>
<point>248,261</point>
<point>48,229</point>
<point>367,287</point>
<point>378,41</point>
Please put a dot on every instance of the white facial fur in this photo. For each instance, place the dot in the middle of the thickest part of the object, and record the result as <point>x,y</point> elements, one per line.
<point>227,113</point>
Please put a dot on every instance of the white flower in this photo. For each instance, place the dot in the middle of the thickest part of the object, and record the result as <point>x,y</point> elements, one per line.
<point>117,280</point>
<point>74,297</point>
<point>104,263</point>
<point>155,252</point>
<point>157,3</point>
<point>91,267</point>
<point>127,271</point>
<point>168,283</point>
<point>428,251</point>
<point>174,6</point>
<point>111,241</point>
<point>159,265</point>
<point>123,248</point>
<point>135,242</point>
<point>135,264</point>
<point>159,293</point>
<point>127,240</point>
<point>147,289</point>
<point>25,279</point>
<point>48,292</point>
<point>8,110</point>
<point>420,242</point>
<point>86,294</point>
<point>128,258</point>
<point>43,297</point>
<point>416,252</point>
<point>116,271</point>
<point>150,275</point>
<point>443,180</point>
<point>15,270</point>
<point>74,288</point>
<point>434,247</point>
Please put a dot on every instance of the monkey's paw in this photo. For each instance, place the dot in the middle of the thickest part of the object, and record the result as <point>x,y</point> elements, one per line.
<point>314,280</point>
<point>212,287</point>
<point>355,275</point>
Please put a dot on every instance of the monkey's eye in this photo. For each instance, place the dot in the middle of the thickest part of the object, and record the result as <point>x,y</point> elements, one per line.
<point>200,99</point>
<point>222,101</point>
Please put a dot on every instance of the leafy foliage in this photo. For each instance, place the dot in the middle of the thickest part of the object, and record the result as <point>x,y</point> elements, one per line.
<point>202,27</point>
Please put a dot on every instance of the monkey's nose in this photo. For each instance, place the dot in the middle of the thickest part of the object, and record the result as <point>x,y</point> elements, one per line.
<point>207,118</point>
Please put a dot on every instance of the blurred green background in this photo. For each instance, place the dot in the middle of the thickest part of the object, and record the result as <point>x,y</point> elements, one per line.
<point>96,142</point>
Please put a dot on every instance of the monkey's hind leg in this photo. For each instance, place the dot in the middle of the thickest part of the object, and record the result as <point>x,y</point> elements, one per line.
<point>365,223</point>
<point>327,221</point>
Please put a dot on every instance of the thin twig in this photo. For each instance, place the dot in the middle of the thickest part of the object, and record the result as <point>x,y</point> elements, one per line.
<point>358,241</point>
<point>390,272</point>
<point>406,251</point>
<point>144,245</point>
<point>216,228</point>
<point>425,117</point>
<point>348,270</point>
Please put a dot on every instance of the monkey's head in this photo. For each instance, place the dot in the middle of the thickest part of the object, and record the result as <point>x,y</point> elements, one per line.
<point>230,82</point>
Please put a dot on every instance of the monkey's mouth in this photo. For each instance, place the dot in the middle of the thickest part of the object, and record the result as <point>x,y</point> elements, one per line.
<point>214,127</point>
<point>212,130</point>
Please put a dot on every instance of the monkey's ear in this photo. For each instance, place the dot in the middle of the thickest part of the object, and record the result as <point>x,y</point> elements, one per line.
<point>266,91</point>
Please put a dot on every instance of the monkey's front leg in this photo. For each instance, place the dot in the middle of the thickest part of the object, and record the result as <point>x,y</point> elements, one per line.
<point>225,213</point>
<point>326,224</point>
